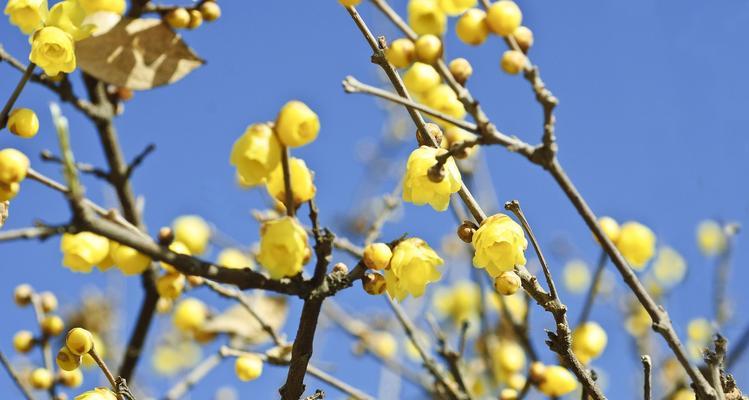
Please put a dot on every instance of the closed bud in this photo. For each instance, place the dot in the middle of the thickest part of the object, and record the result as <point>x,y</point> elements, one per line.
<point>66,360</point>
<point>210,11</point>
<point>466,231</point>
<point>178,18</point>
<point>71,379</point>
<point>48,301</point>
<point>196,19</point>
<point>461,70</point>
<point>507,283</point>
<point>524,38</point>
<point>434,131</point>
<point>79,341</point>
<point>401,53</point>
<point>536,371</point>
<point>41,379</point>
<point>23,341</point>
<point>23,122</point>
<point>52,325</point>
<point>124,94</point>
<point>513,62</point>
<point>248,367</point>
<point>340,269</point>
<point>166,236</point>
<point>170,285</point>
<point>508,394</point>
<point>373,283</point>
<point>377,256</point>
<point>22,294</point>
<point>195,280</point>
<point>428,49</point>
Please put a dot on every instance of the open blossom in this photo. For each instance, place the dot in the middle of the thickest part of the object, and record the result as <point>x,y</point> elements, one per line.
<point>557,381</point>
<point>81,251</point>
<point>302,185</point>
<point>256,154</point>
<point>52,49</point>
<point>419,189</point>
<point>283,247</point>
<point>460,302</point>
<point>69,15</point>
<point>27,15</point>
<point>413,266</point>
<point>636,242</point>
<point>127,259</point>
<point>499,244</point>
<point>193,231</point>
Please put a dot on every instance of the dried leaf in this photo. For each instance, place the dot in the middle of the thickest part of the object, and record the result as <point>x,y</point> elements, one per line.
<point>237,321</point>
<point>136,54</point>
<point>4,210</point>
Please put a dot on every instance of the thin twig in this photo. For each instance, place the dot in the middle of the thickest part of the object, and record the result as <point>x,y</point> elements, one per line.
<point>288,190</point>
<point>103,366</point>
<point>647,376</point>
<point>593,289</point>
<point>194,376</point>
<point>24,390</point>
<point>14,96</point>
<point>33,232</point>
<point>85,168</point>
<point>138,159</point>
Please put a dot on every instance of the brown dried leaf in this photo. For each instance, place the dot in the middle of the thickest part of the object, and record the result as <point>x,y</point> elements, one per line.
<point>237,321</point>
<point>136,54</point>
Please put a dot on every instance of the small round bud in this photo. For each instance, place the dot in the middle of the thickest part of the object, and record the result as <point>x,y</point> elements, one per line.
<point>179,18</point>
<point>13,166</point>
<point>340,269</point>
<point>472,28</point>
<point>190,314</point>
<point>52,325</point>
<point>377,256</point>
<point>508,394</point>
<point>503,17</point>
<point>66,360</point>
<point>210,11</point>
<point>512,62</point>
<point>428,49</point>
<point>41,379</point>
<point>536,371</point>
<point>248,367</point>
<point>170,285</point>
<point>461,70</point>
<point>196,19</point>
<point>524,38</point>
<point>71,379</point>
<point>23,341</point>
<point>124,94</point>
<point>507,283</point>
<point>23,122</point>
<point>166,236</point>
<point>466,231</point>
<point>48,301</point>
<point>401,53</point>
<point>22,294</point>
<point>436,173</point>
<point>434,131</point>
<point>374,283</point>
<point>195,280</point>
<point>80,341</point>
<point>8,191</point>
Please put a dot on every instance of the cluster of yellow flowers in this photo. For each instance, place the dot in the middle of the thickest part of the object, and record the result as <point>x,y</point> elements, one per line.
<point>634,240</point>
<point>84,250</point>
<point>408,268</point>
<point>181,17</point>
<point>14,166</point>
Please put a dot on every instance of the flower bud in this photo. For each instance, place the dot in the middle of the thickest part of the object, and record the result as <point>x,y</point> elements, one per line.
<point>466,231</point>
<point>536,371</point>
<point>166,236</point>
<point>41,379</point>
<point>13,166</point>
<point>48,301</point>
<point>374,283</point>
<point>195,280</point>
<point>377,256</point>
<point>66,360</point>
<point>210,11</point>
<point>461,70</point>
<point>170,285</point>
<point>23,122</point>
<point>341,269</point>
<point>23,341</point>
<point>8,191</point>
<point>425,16</point>
<point>508,394</point>
<point>248,367</point>
<point>52,325</point>
<point>507,283</point>
<point>610,228</point>
<point>503,17</point>
<point>472,28</point>
<point>401,53</point>
<point>196,19</point>
<point>179,18</point>
<point>71,379</point>
<point>524,38</point>
<point>296,124</point>
<point>512,62</point>
<point>557,381</point>
<point>421,77</point>
<point>434,131</point>
<point>22,294</point>
<point>428,49</point>
<point>193,231</point>
<point>189,314</point>
<point>80,341</point>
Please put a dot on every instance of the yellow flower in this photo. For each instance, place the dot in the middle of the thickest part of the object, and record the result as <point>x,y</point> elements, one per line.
<point>443,98</point>
<point>71,379</point>
<point>27,15</point>
<point>576,276</point>
<point>8,191</point>
<point>638,321</point>
<point>588,341</point>
<point>68,15</point>
<point>127,259</point>
<point>189,314</point>
<point>700,330</point>
<point>683,394</point>
<point>455,7</point>
<point>297,124</point>
<point>503,17</point>
<point>413,266</point>
<point>302,184</point>
<point>711,238</point>
<point>636,242</point>
<point>256,154</point>
<point>460,302</point>
<point>92,6</point>
<point>179,248</point>
<point>170,285</point>
<point>610,228</point>
<point>377,256</point>
<point>557,381</point>
<point>101,350</point>
<point>512,61</point>
<point>97,394</point>
<point>669,267</point>
<point>52,50</point>
<point>23,122</point>
<point>81,251</point>
<point>14,166</point>
<point>400,53</point>
<point>425,16</point>
<point>248,367</point>
<point>471,27</point>
<point>508,357</point>
<point>235,258</point>
<point>419,189</point>
<point>382,344</point>
<point>193,232</point>
<point>283,247</point>
<point>420,78</point>
<point>500,245</point>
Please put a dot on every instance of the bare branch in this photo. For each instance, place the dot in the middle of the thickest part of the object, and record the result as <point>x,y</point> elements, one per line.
<point>194,376</point>
<point>13,376</point>
<point>647,367</point>
<point>593,289</point>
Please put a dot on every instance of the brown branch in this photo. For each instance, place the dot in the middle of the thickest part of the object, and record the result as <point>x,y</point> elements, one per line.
<point>138,159</point>
<point>451,357</point>
<point>41,233</point>
<point>14,95</point>
<point>647,367</point>
<point>288,190</point>
<point>14,377</point>
<point>714,361</point>
<point>85,168</point>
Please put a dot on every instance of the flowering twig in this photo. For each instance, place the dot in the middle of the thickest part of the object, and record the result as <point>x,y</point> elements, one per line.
<point>13,376</point>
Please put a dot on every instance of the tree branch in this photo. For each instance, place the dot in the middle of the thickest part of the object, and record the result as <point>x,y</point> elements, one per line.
<point>13,376</point>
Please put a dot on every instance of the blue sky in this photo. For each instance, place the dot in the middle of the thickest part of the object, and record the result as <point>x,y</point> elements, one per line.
<point>650,127</point>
